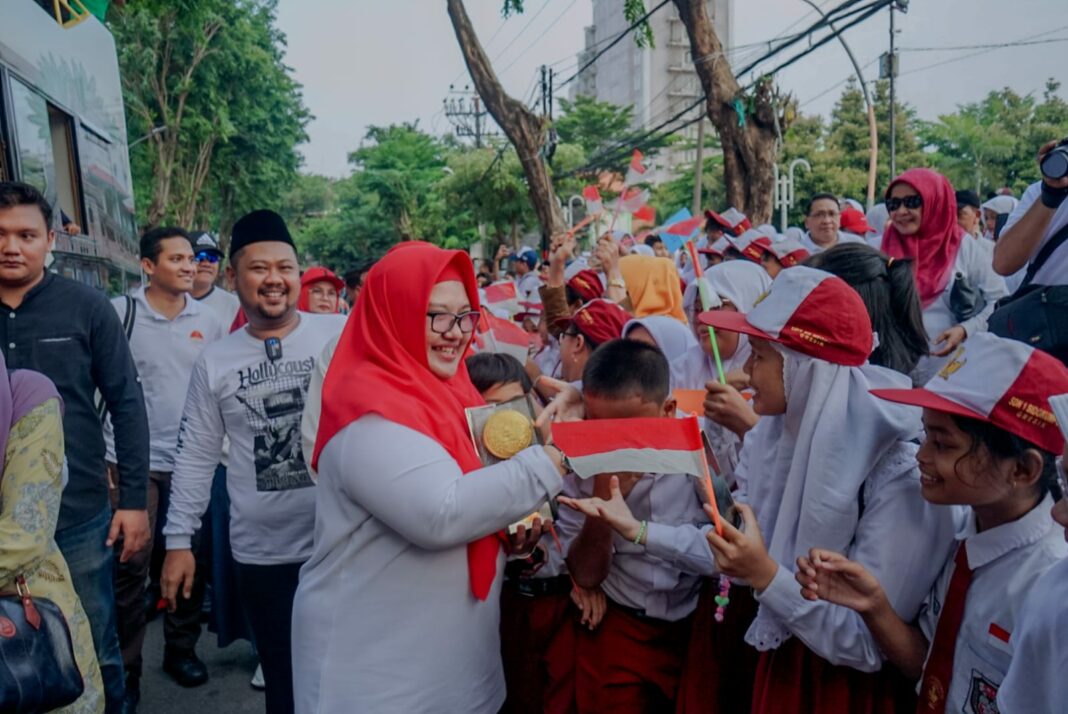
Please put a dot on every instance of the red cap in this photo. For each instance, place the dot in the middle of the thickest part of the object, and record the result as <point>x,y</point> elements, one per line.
<point>999,381</point>
<point>318,273</point>
<point>789,252</point>
<point>598,320</point>
<point>752,244</point>
<point>586,284</point>
<point>809,311</point>
<point>853,221</point>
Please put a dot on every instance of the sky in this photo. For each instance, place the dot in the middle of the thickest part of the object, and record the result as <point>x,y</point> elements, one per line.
<point>377,62</point>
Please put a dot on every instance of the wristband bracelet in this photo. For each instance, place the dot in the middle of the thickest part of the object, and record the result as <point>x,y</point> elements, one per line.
<point>641,533</point>
<point>1053,197</point>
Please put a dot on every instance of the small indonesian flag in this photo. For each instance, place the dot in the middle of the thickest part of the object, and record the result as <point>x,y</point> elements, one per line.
<point>607,446</point>
<point>632,199</point>
<point>498,335</point>
<point>636,171</point>
<point>645,213</point>
<point>502,296</point>
<point>680,227</point>
<point>593,200</point>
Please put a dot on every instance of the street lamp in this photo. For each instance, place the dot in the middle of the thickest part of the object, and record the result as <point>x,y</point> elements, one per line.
<point>149,135</point>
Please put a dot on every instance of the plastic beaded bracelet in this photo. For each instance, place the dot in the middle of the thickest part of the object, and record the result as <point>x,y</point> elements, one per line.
<point>723,599</point>
<point>641,533</point>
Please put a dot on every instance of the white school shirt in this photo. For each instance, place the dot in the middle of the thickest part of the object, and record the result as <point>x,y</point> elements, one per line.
<point>384,619</point>
<point>1006,561</point>
<point>663,576</point>
<point>976,266</point>
<point>901,539</point>
<point>164,351</point>
<point>843,237</point>
<point>224,303</point>
<point>1037,681</point>
<point>527,287</point>
<point>235,390</point>
<point>1055,271</point>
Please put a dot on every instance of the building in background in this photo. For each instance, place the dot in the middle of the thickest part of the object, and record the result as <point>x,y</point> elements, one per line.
<point>659,82</point>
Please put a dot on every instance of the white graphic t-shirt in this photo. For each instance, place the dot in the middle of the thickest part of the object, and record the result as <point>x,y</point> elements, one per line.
<point>255,396</point>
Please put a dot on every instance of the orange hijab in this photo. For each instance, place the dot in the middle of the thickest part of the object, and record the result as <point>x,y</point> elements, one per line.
<point>380,367</point>
<point>653,286</point>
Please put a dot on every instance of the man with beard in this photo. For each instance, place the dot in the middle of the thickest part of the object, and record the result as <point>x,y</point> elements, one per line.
<point>251,387</point>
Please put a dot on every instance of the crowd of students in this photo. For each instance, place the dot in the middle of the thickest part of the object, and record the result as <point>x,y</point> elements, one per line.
<point>895,465</point>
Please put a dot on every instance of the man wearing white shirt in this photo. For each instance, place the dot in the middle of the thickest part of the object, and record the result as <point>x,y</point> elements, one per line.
<point>822,221</point>
<point>209,259</point>
<point>1041,213</point>
<point>167,332</point>
<point>251,387</point>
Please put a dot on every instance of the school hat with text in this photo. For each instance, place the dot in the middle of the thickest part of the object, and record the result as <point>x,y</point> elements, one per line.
<point>1003,382</point>
<point>598,320</point>
<point>811,312</point>
<point>752,244</point>
<point>789,252</point>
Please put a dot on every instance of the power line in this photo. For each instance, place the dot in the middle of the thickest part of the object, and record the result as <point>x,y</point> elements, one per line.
<point>526,26</point>
<point>538,38</point>
<point>637,23</point>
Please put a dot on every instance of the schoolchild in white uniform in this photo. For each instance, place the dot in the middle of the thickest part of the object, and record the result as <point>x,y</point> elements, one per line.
<point>990,442</point>
<point>826,463</point>
<point>1035,681</point>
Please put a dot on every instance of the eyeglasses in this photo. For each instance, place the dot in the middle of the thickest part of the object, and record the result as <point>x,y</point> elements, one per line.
<point>819,215</point>
<point>911,202</point>
<point>210,257</point>
<point>443,322</point>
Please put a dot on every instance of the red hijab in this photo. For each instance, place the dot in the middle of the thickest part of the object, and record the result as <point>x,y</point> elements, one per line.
<point>933,249</point>
<point>380,367</point>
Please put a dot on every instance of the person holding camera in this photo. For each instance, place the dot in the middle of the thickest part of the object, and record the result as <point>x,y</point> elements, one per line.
<point>1040,218</point>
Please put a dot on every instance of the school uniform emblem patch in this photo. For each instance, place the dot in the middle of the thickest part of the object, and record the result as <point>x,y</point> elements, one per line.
<point>983,695</point>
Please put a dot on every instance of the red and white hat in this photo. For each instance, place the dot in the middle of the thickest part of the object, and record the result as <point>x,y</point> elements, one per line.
<point>1003,382</point>
<point>789,252</point>
<point>809,311</point>
<point>718,247</point>
<point>752,244</point>
<point>731,221</point>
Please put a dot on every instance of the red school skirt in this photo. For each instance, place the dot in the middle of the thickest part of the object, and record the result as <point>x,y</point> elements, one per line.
<point>794,679</point>
<point>717,676</point>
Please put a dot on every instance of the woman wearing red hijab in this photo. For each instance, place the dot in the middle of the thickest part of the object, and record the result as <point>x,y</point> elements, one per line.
<point>320,291</point>
<point>923,228</point>
<point>397,609</point>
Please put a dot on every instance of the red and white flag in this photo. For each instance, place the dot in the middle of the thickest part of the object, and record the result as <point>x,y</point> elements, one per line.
<point>502,296</point>
<point>632,199</point>
<point>645,213</point>
<point>593,200</point>
<point>636,170</point>
<point>495,334</point>
<point>657,446</point>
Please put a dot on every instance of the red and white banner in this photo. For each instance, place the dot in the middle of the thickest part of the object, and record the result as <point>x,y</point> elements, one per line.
<point>646,213</point>
<point>502,296</point>
<point>636,170</point>
<point>657,446</point>
<point>632,199</point>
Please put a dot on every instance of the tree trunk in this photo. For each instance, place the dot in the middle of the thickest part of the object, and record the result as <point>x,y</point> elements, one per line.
<point>523,127</point>
<point>749,141</point>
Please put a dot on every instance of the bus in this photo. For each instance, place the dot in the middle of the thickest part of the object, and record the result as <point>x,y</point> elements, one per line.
<point>63,130</point>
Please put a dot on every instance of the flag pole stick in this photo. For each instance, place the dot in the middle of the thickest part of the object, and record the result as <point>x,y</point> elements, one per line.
<point>706,302</point>
<point>706,481</point>
<point>619,205</point>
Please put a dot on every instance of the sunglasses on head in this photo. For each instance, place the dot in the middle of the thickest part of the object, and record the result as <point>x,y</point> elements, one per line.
<point>210,257</point>
<point>911,202</point>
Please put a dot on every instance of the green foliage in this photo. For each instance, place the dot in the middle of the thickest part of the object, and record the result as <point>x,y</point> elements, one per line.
<point>211,72</point>
<point>992,143</point>
<point>634,10</point>
<point>599,128</point>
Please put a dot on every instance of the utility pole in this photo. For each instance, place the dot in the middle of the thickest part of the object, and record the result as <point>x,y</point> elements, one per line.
<point>466,113</point>
<point>698,168</point>
<point>903,6</point>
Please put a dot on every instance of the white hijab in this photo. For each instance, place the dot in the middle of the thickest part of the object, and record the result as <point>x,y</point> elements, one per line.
<point>803,471</point>
<point>689,368</point>
<point>740,282</point>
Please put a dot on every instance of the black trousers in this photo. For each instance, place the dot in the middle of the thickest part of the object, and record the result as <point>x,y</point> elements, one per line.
<point>267,593</point>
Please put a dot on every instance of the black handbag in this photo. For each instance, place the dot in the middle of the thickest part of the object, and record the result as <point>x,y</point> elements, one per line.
<point>1036,314</point>
<point>38,672</point>
<point>965,300</point>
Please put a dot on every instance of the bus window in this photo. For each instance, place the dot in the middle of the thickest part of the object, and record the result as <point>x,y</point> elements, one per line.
<point>44,143</point>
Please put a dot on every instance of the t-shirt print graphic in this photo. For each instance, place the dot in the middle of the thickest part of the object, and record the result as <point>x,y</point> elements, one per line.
<point>274,404</point>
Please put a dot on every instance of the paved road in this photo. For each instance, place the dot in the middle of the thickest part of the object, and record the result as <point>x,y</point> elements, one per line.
<point>227,691</point>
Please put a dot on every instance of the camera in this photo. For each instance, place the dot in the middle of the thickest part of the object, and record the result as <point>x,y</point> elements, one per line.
<point>1054,165</point>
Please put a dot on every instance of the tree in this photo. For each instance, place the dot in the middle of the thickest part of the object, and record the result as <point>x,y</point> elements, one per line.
<point>205,80</point>
<point>595,126</point>
<point>746,123</point>
<point>970,149</point>
<point>524,129</point>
